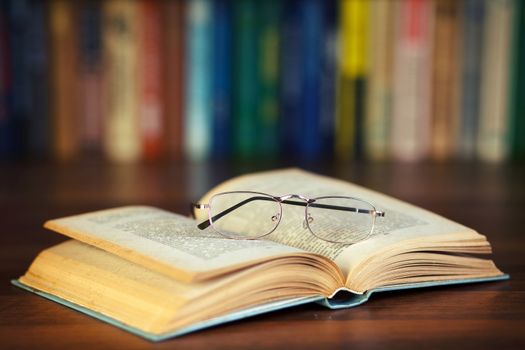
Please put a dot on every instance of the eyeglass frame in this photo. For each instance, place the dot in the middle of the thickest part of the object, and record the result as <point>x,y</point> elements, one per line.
<point>305,201</point>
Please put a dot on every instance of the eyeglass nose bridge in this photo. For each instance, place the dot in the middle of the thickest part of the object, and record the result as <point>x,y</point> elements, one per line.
<point>298,196</point>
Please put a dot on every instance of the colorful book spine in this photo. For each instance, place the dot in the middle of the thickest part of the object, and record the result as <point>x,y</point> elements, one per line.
<point>308,131</point>
<point>269,13</point>
<point>90,74</point>
<point>121,130</point>
<point>245,88</point>
<point>64,79</point>
<point>445,79</point>
<point>174,77</point>
<point>222,82</point>
<point>517,106</point>
<point>198,126</point>
<point>328,79</point>
<point>290,72</point>
<point>493,134</point>
<point>353,75</point>
<point>471,39</point>
<point>150,103</point>
<point>379,93</point>
<point>410,125</point>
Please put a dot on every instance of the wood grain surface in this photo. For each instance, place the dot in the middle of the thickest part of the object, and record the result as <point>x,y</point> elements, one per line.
<point>489,198</point>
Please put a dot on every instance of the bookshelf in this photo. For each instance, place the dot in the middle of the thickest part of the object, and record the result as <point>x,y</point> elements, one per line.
<point>208,80</point>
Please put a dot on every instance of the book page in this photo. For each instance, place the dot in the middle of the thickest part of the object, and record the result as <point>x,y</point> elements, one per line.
<point>402,221</point>
<point>166,242</point>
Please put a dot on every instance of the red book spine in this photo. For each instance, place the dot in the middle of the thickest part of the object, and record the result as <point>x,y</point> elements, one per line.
<point>150,79</point>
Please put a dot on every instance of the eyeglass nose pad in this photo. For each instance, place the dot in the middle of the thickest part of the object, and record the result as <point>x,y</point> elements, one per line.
<point>310,220</point>
<point>276,217</point>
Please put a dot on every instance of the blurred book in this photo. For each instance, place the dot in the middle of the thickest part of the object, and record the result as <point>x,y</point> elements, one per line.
<point>353,78</point>
<point>64,51</point>
<point>198,112</point>
<point>445,79</point>
<point>379,89</point>
<point>410,126</point>
<point>174,76</point>
<point>150,85</point>
<point>493,138</point>
<point>122,141</point>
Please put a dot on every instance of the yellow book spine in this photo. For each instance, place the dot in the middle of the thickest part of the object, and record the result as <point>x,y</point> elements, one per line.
<point>352,68</point>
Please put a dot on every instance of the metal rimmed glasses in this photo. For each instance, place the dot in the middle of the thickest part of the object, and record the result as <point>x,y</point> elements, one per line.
<point>252,215</point>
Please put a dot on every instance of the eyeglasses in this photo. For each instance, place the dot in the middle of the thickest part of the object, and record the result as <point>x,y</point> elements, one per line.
<point>252,215</point>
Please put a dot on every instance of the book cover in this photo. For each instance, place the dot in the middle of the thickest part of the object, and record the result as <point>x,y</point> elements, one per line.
<point>222,79</point>
<point>473,13</point>
<point>267,40</point>
<point>245,80</point>
<point>353,68</point>
<point>64,75</point>
<point>121,130</point>
<point>198,112</point>
<point>174,76</point>
<point>445,79</point>
<point>90,74</point>
<point>379,92</point>
<point>410,125</point>
<point>493,140</point>
<point>150,70</point>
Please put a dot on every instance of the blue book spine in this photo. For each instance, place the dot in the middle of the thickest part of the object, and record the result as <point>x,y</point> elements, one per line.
<point>474,12</point>
<point>198,114</point>
<point>5,85</point>
<point>308,131</point>
<point>328,79</point>
<point>221,89</point>
<point>39,123</point>
<point>290,85</point>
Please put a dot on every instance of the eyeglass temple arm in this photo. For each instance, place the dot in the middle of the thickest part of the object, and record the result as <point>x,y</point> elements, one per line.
<point>206,223</point>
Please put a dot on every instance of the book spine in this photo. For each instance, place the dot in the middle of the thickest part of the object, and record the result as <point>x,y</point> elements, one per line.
<point>445,79</point>
<point>90,80</point>
<point>353,71</point>
<point>245,90</point>
<point>5,86</point>
<point>410,126</point>
<point>198,126</point>
<point>121,132</point>
<point>311,17</point>
<point>290,73</point>
<point>150,108</point>
<point>174,77</point>
<point>64,79</point>
<point>377,119</point>
<point>493,140</point>
<point>472,38</point>
<point>328,74</point>
<point>517,106</point>
<point>269,13</point>
<point>222,83</point>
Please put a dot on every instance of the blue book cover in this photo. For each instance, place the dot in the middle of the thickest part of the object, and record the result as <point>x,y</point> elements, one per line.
<point>221,86</point>
<point>198,114</point>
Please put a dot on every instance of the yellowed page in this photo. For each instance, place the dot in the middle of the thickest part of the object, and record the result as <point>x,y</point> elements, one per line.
<point>402,223</point>
<point>166,242</point>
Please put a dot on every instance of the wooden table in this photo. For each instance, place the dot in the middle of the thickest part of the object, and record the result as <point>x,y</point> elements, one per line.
<point>488,198</point>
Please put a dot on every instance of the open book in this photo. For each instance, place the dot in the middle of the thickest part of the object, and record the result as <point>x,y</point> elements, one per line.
<point>156,274</point>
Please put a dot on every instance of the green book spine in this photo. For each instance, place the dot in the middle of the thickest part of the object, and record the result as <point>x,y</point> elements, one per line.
<point>268,77</point>
<point>245,86</point>
<point>517,95</point>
